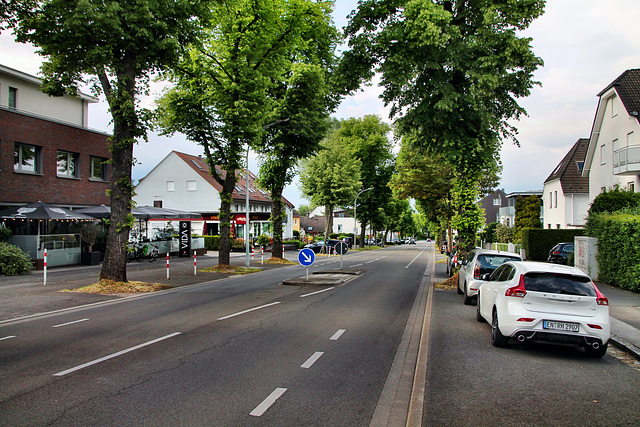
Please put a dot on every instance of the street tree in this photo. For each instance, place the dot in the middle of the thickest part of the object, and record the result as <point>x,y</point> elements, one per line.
<point>369,140</point>
<point>115,47</point>
<point>527,214</point>
<point>452,73</point>
<point>303,100</point>
<point>220,97</point>
<point>331,178</point>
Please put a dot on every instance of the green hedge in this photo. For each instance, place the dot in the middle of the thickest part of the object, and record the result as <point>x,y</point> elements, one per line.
<point>618,248</point>
<point>212,243</point>
<point>538,242</point>
<point>13,260</point>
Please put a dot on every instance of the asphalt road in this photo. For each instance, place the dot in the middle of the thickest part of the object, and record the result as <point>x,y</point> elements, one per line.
<point>239,351</point>
<point>472,383</point>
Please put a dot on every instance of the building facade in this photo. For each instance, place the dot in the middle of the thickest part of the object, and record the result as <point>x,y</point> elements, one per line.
<point>47,153</point>
<point>182,181</point>
<point>613,154</point>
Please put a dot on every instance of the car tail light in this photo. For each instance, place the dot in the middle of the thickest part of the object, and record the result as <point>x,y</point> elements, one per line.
<point>600,298</point>
<point>517,291</point>
<point>525,319</point>
<point>592,326</point>
<point>476,272</point>
<point>556,253</point>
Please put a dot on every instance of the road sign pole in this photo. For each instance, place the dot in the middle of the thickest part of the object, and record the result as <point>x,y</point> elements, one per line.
<point>307,274</point>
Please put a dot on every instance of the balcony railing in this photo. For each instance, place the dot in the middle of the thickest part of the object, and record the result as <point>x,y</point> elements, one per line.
<point>626,160</point>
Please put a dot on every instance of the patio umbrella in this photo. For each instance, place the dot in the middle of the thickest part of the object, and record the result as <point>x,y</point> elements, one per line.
<point>100,212</point>
<point>43,211</point>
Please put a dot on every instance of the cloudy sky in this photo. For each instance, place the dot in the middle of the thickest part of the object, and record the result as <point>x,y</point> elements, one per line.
<point>585,44</point>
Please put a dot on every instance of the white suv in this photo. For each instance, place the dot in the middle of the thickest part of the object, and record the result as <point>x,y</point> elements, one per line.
<point>477,263</point>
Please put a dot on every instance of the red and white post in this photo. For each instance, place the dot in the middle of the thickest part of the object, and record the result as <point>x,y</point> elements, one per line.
<point>45,268</point>
<point>167,265</point>
<point>195,263</point>
<point>262,255</point>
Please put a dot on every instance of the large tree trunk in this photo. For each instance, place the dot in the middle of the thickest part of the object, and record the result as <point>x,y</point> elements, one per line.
<point>329,230</point>
<point>124,116</point>
<point>276,220</point>
<point>224,254</point>
<point>363,229</point>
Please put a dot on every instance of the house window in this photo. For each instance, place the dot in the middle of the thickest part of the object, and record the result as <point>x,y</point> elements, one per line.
<point>558,226</point>
<point>549,226</point>
<point>66,164</point>
<point>629,139</point>
<point>339,228</point>
<point>632,187</point>
<point>191,186</point>
<point>550,200</point>
<point>157,203</point>
<point>27,158</point>
<point>99,169</point>
<point>602,155</point>
<point>171,186</point>
<point>580,166</point>
<point>614,107</point>
<point>555,199</point>
<point>12,101</point>
<point>496,202</point>
<point>615,144</point>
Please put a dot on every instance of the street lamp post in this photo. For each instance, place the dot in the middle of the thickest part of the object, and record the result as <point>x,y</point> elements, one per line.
<point>355,206</point>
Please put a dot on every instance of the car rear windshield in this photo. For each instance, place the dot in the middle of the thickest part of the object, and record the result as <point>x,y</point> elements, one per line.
<point>491,262</point>
<point>559,284</point>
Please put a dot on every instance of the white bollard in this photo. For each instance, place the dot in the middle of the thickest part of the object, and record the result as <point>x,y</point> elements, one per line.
<point>167,265</point>
<point>194,263</point>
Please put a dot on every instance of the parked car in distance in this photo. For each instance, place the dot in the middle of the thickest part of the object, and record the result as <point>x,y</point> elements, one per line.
<point>396,241</point>
<point>560,253</point>
<point>317,246</point>
<point>452,261</point>
<point>478,263</point>
<point>541,302</point>
<point>413,241</point>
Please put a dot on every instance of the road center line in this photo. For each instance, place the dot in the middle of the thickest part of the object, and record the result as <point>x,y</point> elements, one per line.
<point>247,311</point>
<point>266,404</point>
<point>337,335</point>
<point>317,292</point>
<point>413,260</point>
<point>313,359</point>
<point>357,265</point>
<point>111,356</point>
<point>8,337</point>
<point>69,323</point>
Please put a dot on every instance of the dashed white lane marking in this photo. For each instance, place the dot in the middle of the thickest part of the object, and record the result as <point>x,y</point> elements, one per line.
<point>111,356</point>
<point>247,311</point>
<point>266,404</point>
<point>413,260</point>
<point>313,359</point>
<point>69,323</point>
<point>7,337</point>
<point>317,292</point>
<point>337,335</point>
<point>357,265</point>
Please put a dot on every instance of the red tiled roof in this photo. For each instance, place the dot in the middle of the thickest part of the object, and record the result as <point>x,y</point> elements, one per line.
<point>199,165</point>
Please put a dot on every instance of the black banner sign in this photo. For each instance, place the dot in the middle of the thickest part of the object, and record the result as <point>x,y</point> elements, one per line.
<point>185,238</point>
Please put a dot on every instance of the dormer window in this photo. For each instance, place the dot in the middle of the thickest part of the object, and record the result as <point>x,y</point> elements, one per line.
<point>580,166</point>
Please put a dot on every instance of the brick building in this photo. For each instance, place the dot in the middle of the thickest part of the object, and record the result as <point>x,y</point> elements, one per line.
<point>47,153</point>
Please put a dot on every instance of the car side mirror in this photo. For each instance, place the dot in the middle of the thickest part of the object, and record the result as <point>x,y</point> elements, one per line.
<point>486,276</point>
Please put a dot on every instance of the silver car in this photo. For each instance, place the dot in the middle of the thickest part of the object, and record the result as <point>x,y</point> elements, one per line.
<point>476,264</point>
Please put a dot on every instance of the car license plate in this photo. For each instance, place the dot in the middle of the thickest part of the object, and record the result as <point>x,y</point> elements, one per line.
<point>561,326</point>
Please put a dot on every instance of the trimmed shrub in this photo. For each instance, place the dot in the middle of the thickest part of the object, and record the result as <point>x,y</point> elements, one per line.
<point>538,242</point>
<point>264,240</point>
<point>614,200</point>
<point>4,234</point>
<point>13,260</point>
<point>212,243</point>
<point>618,247</point>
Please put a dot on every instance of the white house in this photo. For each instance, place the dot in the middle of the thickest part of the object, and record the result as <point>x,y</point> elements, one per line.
<point>182,181</point>
<point>613,155</point>
<point>566,191</point>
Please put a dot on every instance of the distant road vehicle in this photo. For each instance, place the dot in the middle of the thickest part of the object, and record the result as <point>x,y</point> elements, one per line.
<point>541,302</point>
<point>478,263</point>
<point>317,246</point>
<point>560,253</point>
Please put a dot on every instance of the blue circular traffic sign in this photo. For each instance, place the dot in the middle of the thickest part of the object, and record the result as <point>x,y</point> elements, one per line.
<point>306,257</point>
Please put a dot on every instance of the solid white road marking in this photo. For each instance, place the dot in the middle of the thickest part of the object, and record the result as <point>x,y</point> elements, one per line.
<point>69,323</point>
<point>317,292</point>
<point>8,337</point>
<point>247,311</point>
<point>338,334</point>
<point>111,356</point>
<point>413,260</point>
<point>313,359</point>
<point>266,404</point>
